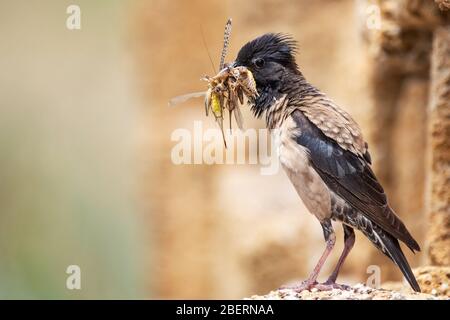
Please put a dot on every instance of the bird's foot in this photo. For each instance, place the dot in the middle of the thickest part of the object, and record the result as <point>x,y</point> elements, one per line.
<point>302,286</point>
<point>330,285</point>
<point>309,285</point>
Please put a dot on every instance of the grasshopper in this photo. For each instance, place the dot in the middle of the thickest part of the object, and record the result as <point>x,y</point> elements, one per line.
<point>226,90</point>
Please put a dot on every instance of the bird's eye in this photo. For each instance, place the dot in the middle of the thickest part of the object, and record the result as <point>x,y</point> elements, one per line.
<point>259,62</point>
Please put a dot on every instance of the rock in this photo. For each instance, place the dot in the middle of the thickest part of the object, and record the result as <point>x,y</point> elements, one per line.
<point>443,4</point>
<point>438,168</point>
<point>434,280</point>
<point>357,292</point>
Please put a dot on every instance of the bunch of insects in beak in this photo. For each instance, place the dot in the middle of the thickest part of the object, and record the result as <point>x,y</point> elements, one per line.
<point>226,90</point>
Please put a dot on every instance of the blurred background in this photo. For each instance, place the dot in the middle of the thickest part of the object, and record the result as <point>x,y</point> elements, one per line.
<point>85,131</point>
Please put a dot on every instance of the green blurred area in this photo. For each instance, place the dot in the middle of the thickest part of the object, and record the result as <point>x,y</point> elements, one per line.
<point>67,158</point>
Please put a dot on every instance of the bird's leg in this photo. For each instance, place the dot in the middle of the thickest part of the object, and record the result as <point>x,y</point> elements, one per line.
<point>349,241</point>
<point>330,239</point>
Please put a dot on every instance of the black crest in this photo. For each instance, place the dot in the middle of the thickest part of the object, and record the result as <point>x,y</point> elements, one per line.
<point>277,47</point>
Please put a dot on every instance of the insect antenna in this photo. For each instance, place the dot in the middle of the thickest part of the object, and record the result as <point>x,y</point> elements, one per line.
<point>226,42</point>
<point>207,50</point>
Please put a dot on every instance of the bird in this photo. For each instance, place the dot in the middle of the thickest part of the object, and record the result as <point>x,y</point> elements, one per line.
<point>323,152</point>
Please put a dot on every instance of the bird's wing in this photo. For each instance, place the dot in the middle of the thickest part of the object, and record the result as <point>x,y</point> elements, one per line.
<point>349,175</point>
<point>335,123</point>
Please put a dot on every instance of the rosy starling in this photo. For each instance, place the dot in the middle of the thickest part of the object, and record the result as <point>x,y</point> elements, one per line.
<point>323,152</point>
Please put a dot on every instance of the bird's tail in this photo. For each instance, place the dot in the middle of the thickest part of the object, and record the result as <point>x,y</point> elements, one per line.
<point>392,249</point>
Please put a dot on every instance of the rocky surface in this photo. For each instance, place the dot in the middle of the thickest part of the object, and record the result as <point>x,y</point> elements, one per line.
<point>357,292</point>
<point>434,280</point>
<point>443,4</point>
<point>438,192</point>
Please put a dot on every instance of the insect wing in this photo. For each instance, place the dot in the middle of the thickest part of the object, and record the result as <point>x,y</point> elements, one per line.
<point>207,101</point>
<point>240,94</point>
<point>185,97</point>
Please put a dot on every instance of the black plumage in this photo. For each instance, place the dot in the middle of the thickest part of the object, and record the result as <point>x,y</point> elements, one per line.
<point>334,154</point>
<point>351,177</point>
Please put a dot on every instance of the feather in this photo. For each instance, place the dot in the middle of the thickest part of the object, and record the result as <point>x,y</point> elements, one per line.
<point>334,122</point>
<point>351,177</point>
<point>384,241</point>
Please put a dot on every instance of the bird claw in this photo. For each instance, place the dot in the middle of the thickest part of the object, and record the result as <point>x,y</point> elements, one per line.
<point>302,286</point>
<point>329,285</point>
<point>309,285</point>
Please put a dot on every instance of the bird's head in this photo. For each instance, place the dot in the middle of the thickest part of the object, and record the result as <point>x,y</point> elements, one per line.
<point>271,60</point>
<point>269,57</point>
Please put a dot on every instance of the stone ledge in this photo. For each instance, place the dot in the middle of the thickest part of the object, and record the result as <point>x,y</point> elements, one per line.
<point>357,292</point>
